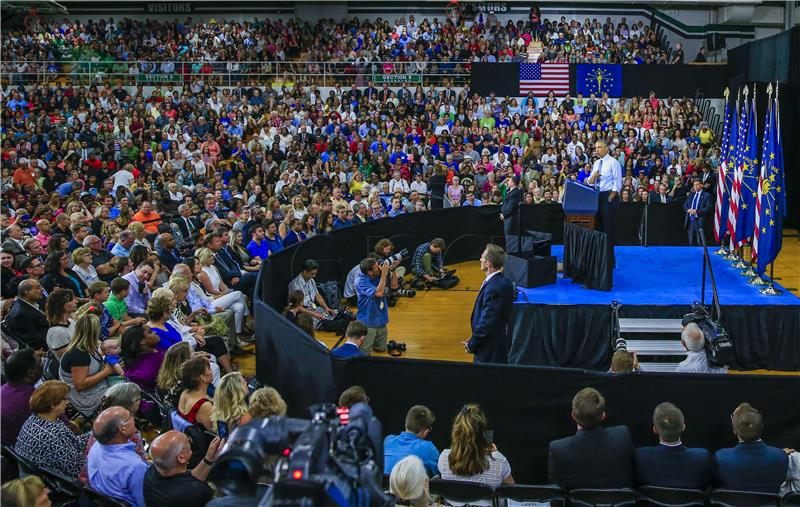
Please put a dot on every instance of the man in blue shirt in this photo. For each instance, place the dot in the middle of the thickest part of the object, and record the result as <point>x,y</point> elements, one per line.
<point>341,220</point>
<point>257,246</point>
<point>373,310</point>
<point>419,421</point>
<point>115,468</point>
<point>274,242</point>
<point>356,333</point>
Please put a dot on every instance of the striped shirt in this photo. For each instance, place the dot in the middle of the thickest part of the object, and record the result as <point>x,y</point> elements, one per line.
<point>499,470</point>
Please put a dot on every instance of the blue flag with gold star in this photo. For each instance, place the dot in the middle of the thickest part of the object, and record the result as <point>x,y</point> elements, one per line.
<point>599,79</point>
<point>773,196</point>
<point>750,171</point>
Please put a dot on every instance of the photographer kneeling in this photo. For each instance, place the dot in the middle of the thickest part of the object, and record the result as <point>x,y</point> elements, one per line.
<point>372,305</point>
<point>428,266</point>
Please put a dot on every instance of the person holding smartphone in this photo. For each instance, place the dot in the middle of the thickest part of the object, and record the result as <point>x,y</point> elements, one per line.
<point>231,404</point>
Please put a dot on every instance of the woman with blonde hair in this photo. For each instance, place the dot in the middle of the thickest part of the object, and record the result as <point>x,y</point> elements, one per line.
<point>408,482</point>
<point>140,233</point>
<point>472,455</point>
<point>83,368</point>
<point>266,402</point>
<point>230,402</point>
<point>82,265</point>
<point>28,491</point>
<point>236,243</point>
<point>224,298</point>
<point>168,383</point>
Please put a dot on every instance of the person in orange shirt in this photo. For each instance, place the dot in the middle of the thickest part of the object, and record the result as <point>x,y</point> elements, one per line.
<point>25,177</point>
<point>149,218</point>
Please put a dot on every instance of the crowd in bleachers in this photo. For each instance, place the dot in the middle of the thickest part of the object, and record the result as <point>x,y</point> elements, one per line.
<point>440,44</point>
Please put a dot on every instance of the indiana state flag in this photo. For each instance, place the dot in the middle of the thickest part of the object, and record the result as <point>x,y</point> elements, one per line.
<point>599,79</point>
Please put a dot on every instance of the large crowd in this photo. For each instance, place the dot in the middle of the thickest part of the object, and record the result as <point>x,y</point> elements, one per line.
<point>135,220</point>
<point>439,45</point>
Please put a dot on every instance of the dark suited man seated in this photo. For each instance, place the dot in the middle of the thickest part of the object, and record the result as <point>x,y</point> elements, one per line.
<point>671,464</point>
<point>595,457</point>
<point>752,465</point>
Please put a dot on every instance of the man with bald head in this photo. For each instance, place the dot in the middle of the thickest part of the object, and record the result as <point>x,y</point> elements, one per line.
<point>115,468</point>
<point>169,482</point>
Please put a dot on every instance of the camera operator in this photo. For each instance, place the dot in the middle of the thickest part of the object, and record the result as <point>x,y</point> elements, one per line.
<point>696,361</point>
<point>349,291</point>
<point>383,252</point>
<point>372,305</point>
<point>428,261</point>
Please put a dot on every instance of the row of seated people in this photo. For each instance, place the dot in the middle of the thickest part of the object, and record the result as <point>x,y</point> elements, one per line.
<point>456,39</point>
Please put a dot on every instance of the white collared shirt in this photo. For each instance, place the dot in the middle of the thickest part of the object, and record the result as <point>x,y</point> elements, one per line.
<point>610,174</point>
<point>696,362</point>
<point>490,275</point>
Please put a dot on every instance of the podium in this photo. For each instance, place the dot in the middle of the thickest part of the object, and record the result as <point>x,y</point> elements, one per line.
<point>580,204</point>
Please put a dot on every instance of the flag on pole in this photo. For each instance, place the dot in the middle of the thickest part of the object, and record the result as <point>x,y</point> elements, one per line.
<point>748,178</point>
<point>542,78</point>
<point>765,151</point>
<point>735,162</point>
<point>773,195</point>
<point>721,204</point>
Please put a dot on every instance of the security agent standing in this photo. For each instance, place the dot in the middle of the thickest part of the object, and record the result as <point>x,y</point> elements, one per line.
<point>509,210</point>
<point>372,305</point>
<point>607,176</point>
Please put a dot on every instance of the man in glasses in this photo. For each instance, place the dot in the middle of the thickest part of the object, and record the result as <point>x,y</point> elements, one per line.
<point>169,481</point>
<point>115,468</point>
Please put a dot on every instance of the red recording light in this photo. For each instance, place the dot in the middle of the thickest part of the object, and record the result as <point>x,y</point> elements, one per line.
<point>287,451</point>
<point>297,475</point>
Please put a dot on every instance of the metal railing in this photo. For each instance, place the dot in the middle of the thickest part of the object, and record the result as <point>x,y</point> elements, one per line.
<point>230,73</point>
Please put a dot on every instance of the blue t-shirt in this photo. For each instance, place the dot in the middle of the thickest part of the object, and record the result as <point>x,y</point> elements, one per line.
<point>258,250</point>
<point>346,350</point>
<point>168,338</point>
<point>274,245</point>
<point>373,311</point>
<point>397,447</point>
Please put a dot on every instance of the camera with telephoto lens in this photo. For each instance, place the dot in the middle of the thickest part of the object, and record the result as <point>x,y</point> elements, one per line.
<point>718,344</point>
<point>335,458</point>
<point>396,257</point>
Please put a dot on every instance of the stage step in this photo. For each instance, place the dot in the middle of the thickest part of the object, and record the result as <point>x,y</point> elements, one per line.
<point>656,347</point>
<point>658,367</point>
<point>650,326</point>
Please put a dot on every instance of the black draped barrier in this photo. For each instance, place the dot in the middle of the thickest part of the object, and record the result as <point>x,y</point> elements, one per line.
<point>575,336</point>
<point>664,224</point>
<point>765,337</point>
<point>588,257</point>
<point>547,218</point>
<point>528,407</point>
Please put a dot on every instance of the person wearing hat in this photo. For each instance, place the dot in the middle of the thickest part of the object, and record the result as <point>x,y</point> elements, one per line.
<point>509,209</point>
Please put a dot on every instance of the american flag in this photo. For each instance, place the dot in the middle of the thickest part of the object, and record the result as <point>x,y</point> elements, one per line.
<point>541,78</point>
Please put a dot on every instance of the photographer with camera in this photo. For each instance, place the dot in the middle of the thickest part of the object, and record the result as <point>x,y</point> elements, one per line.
<point>372,305</point>
<point>694,341</point>
<point>428,261</point>
<point>384,253</point>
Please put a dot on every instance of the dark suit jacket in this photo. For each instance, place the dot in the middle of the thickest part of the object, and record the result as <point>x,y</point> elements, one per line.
<point>169,258</point>
<point>509,209</point>
<point>655,198</point>
<point>27,324</point>
<point>598,458</point>
<point>673,467</point>
<point>703,205</point>
<point>187,236</point>
<point>226,266</point>
<point>490,341</point>
<point>753,466</point>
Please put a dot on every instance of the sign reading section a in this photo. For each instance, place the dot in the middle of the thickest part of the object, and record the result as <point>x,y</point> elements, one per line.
<point>159,78</point>
<point>397,78</point>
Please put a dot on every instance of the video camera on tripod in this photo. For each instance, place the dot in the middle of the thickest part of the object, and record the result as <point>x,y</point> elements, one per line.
<point>719,346</point>
<point>333,459</point>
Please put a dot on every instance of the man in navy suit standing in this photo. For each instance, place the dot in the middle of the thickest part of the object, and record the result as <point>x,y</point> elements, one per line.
<point>490,341</point>
<point>356,333</point>
<point>697,204</point>
<point>752,465</point>
<point>671,464</point>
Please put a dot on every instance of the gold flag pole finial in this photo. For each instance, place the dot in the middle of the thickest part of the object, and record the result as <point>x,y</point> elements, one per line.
<point>726,93</point>
<point>746,91</point>
<point>769,90</point>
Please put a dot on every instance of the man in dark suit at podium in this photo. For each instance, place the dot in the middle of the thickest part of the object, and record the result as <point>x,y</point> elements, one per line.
<point>697,204</point>
<point>671,464</point>
<point>509,209</point>
<point>595,457</point>
<point>490,341</point>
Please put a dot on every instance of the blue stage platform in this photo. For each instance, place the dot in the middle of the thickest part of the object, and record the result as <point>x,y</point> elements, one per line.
<point>658,276</point>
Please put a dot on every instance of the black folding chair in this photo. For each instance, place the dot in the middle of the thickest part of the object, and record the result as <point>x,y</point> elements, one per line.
<point>25,467</point>
<point>671,497</point>
<point>462,491</point>
<point>101,500</point>
<point>526,493</point>
<point>603,497</point>
<point>791,500</point>
<point>734,498</point>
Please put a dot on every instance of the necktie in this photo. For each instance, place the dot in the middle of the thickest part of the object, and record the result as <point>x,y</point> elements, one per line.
<point>189,226</point>
<point>663,199</point>
<point>696,200</point>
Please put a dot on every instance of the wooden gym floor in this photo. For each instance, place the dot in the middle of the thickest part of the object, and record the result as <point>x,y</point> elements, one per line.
<point>434,323</point>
